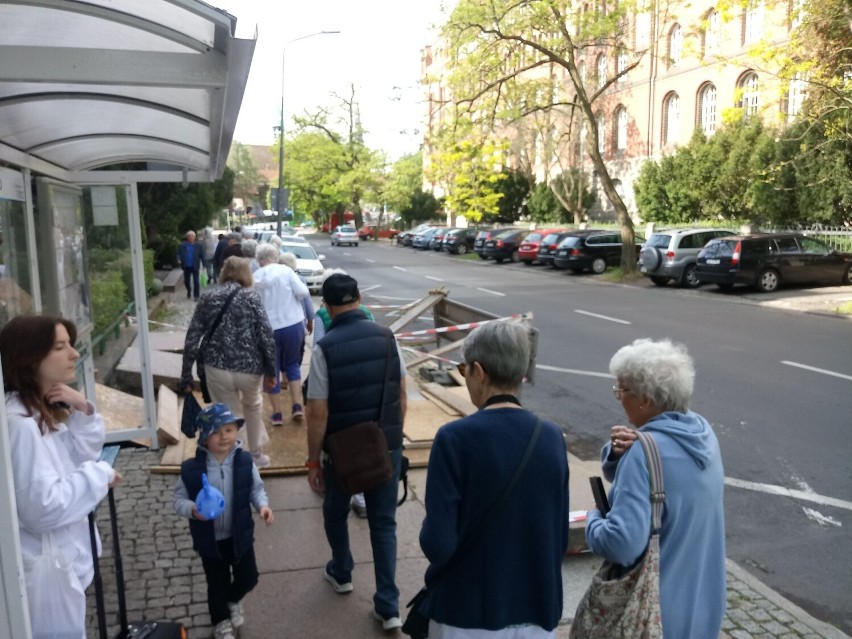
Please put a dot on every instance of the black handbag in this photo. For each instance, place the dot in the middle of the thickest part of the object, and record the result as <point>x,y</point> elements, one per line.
<point>199,358</point>
<point>416,623</point>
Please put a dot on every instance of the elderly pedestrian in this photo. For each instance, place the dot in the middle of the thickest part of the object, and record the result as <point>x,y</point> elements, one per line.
<point>654,383</point>
<point>469,592</point>
<point>349,371</point>
<point>209,244</point>
<point>189,257</point>
<point>249,248</point>
<point>238,353</point>
<point>283,295</point>
<point>234,247</point>
<point>289,260</point>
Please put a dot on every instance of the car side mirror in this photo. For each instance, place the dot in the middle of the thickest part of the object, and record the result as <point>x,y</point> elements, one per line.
<point>321,257</point>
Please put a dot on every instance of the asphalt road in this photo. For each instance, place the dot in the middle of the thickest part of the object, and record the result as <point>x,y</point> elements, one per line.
<point>779,424</point>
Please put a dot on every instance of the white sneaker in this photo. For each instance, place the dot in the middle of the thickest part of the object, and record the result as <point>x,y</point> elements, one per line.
<point>237,618</point>
<point>391,623</point>
<point>224,630</point>
<point>359,505</point>
<point>339,588</point>
<point>260,460</point>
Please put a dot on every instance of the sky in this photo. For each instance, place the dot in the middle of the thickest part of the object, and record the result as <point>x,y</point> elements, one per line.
<point>378,50</point>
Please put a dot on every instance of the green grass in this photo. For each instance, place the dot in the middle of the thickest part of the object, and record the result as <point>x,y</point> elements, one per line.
<point>615,274</point>
<point>844,309</point>
<point>467,256</point>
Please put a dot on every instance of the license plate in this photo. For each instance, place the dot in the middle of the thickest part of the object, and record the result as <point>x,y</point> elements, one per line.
<point>713,261</point>
<point>562,253</point>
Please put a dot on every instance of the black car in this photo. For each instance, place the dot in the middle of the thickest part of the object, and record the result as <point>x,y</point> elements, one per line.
<point>765,260</point>
<point>504,245</point>
<point>594,250</point>
<point>481,238</point>
<point>459,240</point>
<point>438,238</point>
<point>549,244</point>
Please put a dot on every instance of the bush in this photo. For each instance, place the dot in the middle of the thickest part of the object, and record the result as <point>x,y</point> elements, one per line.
<point>164,249</point>
<point>109,298</point>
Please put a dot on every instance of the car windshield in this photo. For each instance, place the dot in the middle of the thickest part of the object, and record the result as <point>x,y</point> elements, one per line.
<point>505,234</point>
<point>658,240</point>
<point>533,237</point>
<point>305,252</point>
<point>550,238</point>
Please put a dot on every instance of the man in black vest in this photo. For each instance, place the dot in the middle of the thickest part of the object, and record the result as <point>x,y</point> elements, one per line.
<point>347,380</point>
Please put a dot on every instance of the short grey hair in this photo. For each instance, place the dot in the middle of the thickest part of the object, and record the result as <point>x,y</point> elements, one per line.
<point>288,259</point>
<point>277,241</point>
<point>266,254</point>
<point>662,372</point>
<point>503,351</point>
<point>249,248</point>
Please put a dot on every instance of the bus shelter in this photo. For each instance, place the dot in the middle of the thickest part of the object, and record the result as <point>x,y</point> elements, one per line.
<point>86,87</point>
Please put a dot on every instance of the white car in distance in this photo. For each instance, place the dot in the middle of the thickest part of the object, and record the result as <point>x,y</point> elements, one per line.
<point>308,263</point>
<point>345,234</point>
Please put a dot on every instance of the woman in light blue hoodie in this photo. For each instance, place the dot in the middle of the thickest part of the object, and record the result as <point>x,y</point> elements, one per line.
<point>654,386</point>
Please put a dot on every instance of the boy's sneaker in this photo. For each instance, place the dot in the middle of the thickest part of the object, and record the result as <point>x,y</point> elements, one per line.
<point>359,505</point>
<point>339,588</point>
<point>297,412</point>
<point>277,420</point>
<point>237,617</point>
<point>391,623</point>
<point>224,630</point>
<point>260,460</point>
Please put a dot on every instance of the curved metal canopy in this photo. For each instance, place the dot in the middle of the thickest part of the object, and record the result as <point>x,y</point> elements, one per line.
<point>85,84</point>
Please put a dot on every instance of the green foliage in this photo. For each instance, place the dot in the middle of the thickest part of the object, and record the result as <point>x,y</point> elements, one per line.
<point>423,207</point>
<point>514,189</point>
<point>404,182</point>
<point>108,298</point>
<point>544,207</point>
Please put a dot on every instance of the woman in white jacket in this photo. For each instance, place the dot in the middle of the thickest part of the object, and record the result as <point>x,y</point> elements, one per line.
<point>56,438</point>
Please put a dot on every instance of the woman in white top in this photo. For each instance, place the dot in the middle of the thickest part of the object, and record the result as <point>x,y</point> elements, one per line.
<point>56,438</point>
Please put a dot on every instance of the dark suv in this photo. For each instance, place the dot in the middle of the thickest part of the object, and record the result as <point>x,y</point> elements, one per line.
<point>483,236</point>
<point>764,260</point>
<point>594,250</point>
<point>549,244</point>
<point>505,245</point>
<point>459,240</point>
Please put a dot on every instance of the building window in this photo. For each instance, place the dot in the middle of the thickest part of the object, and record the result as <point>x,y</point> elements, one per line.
<point>796,95</point>
<point>582,69</point>
<point>707,109</point>
<point>601,70</point>
<point>675,45</point>
<point>621,129</point>
<point>748,90</point>
<point>671,118</point>
<point>621,66</point>
<point>601,133</point>
<point>712,32</point>
<point>753,22</point>
<point>643,30</point>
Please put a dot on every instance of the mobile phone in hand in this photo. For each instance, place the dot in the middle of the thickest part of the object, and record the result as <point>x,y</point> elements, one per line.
<point>599,493</point>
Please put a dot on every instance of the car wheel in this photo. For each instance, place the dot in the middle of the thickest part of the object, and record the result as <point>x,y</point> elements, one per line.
<point>598,265</point>
<point>651,258</point>
<point>847,276</point>
<point>514,257</point>
<point>768,280</point>
<point>462,249</point>
<point>660,281</point>
<point>356,243</point>
<point>689,279</point>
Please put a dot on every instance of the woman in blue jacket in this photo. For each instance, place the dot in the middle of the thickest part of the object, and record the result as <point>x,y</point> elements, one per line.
<point>654,386</point>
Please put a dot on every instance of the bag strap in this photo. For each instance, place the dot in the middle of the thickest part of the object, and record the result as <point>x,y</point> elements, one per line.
<point>655,471</point>
<point>480,524</point>
<point>386,382</point>
<point>218,319</point>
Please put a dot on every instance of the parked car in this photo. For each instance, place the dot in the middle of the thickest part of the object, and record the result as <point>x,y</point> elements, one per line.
<point>670,255</point>
<point>422,239</point>
<point>437,238</point>
<point>309,264</point>
<point>765,260</point>
<point>549,244</point>
<point>505,245</point>
<point>593,250</point>
<point>345,234</point>
<point>405,238</point>
<point>483,236</point>
<point>459,240</point>
<point>528,251</point>
<point>368,232</point>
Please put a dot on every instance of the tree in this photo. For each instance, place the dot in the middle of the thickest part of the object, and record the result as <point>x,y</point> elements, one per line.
<point>423,206</point>
<point>246,176</point>
<point>515,190</point>
<point>503,55</point>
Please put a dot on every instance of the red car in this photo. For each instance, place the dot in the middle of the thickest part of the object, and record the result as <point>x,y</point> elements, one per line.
<point>528,251</point>
<point>368,232</point>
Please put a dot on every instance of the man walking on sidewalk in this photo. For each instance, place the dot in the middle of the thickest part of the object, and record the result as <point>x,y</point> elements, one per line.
<point>189,258</point>
<point>347,378</point>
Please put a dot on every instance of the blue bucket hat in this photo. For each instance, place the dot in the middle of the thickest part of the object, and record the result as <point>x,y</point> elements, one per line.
<point>212,419</point>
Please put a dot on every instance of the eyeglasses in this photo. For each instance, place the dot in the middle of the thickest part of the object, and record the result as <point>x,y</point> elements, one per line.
<point>619,392</point>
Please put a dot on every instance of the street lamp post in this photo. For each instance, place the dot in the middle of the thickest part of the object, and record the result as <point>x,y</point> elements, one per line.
<point>282,204</point>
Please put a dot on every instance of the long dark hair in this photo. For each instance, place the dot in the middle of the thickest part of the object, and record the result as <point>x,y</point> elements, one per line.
<point>24,343</point>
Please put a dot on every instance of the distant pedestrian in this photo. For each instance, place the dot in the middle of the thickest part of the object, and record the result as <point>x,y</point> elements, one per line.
<point>189,258</point>
<point>234,248</point>
<point>209,243</point>
<point>654,382</point>
<point>226,543</point>
<point>217,256</point>
<point>249,248</point>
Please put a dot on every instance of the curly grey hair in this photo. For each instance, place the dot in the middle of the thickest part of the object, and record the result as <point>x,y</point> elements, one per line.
<point>288,259</point>
<point>266,254</point>
<point>662,372</point>
<point>249,248</point>
<point>503,351</point>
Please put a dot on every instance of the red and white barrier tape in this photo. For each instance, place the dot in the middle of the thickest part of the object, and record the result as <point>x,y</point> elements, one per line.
<point>461,327</point>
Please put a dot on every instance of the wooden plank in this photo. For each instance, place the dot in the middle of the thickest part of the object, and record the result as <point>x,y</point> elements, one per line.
<point>449,410</point>
<point>435,296</point>
<point>168,417</point>
<point>456,401</point>
<point>446,348</point>
<point>423,419</point>
<point>173,455</point>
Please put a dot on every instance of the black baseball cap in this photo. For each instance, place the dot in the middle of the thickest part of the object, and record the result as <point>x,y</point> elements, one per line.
<point>340,289</point>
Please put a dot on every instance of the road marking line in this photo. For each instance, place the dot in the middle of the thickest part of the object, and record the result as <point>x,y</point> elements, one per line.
<point>603,317</point>
<point>818,517</point>
<point>370,288</point>
<point>372,261</point>
<point>399,268</point>
<point>488,290</point>
<point>817,370</point>
<point>434,279</point>
<point>347,253</point>
<point>573,371</point>
<point>788,492</point>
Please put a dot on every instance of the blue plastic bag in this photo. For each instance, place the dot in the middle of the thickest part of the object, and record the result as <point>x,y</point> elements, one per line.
<point>210,502</point>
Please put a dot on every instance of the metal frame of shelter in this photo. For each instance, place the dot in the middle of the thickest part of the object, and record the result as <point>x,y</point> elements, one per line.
<point>89,84</point>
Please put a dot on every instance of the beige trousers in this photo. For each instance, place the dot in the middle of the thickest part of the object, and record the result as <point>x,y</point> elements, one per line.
<point>242,393</point>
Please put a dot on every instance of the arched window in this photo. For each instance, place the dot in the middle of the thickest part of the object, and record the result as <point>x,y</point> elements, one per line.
<point>621,65</point>
<point>601,70</point>
<point>753,21</point>
<point>621,129</point>
<point>748,90</point>
<point>671,118</point>
<point>601,133</point>
<point>707,108</point>
<point>796,95</point>
<point>712,32</point>
<point>675,45</point>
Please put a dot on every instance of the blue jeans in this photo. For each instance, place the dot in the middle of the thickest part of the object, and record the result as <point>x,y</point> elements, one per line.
<point>191,277</point>
<point>381,517</point>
